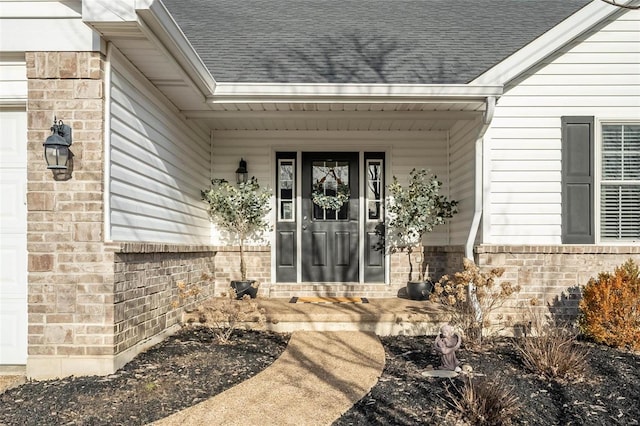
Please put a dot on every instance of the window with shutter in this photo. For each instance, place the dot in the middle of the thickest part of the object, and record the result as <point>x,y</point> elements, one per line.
<point>620,182</point>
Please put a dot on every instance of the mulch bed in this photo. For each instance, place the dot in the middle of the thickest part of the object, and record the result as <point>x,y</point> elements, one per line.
<point>183,370</point>
<point>191,366</point>
<point>608,395</point>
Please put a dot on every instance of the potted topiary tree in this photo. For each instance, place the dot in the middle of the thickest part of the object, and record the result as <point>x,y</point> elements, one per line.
<point>414,211</point>
<point>242,212</point>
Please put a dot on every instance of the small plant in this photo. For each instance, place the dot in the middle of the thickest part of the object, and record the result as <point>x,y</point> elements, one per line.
<point>610,307</point>
<point>484,402</point>
<point>240,210</point>
<point>226,314</point>
<point>416,210</point>
<point>469,306</point>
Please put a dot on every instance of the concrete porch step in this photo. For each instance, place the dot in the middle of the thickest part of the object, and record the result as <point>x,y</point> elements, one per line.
<point>383,316</point>
<point>327,289</point>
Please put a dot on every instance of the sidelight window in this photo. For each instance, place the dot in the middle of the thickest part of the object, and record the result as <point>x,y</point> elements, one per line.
<point>286,190</point>
<point>375,190</point>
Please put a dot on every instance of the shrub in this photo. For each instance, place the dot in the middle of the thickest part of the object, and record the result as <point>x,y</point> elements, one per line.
<point>484,402</point>
<point>469,307</point>
<point>553,354</point>
<point>610,307</point>
<point>226,314</point>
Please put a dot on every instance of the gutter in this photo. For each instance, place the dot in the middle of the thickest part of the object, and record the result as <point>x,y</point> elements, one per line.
<point>351,92</point>
<point>479,171</point>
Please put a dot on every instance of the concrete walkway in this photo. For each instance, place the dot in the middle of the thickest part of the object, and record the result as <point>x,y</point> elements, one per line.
<point>319,376</point>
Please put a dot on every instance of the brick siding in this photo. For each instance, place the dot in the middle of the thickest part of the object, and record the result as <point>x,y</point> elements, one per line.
<point>146,295</point>
<point>553,275</point>
<point>227,268</point>
<point>70,274</point>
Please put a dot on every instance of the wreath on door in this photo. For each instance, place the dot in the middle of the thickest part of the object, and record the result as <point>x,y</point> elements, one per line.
<point>330,202</point>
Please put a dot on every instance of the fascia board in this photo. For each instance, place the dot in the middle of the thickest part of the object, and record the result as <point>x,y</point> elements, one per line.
<point>169,33</point>
<point>321,92</point>
<point>155,22</point>
<point>549,42</point>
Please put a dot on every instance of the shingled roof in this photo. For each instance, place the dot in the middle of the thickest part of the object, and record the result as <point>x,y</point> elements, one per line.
<point>362,41</point>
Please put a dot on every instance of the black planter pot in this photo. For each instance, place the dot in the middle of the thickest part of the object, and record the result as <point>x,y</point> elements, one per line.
<point>244,287</point>
<point>419,290</point>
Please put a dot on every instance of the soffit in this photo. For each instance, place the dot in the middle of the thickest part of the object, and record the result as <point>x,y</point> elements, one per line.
<point>336,116</point>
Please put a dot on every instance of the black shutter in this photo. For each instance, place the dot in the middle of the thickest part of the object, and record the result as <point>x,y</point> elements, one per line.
<point>578,226</point>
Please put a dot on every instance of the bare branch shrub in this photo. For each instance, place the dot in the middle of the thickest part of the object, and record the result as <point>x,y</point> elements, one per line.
<point>187,291</point>
<point>550,349</point>
<point>226,314</point>
<point>483,402</point>
<point>456,296</point>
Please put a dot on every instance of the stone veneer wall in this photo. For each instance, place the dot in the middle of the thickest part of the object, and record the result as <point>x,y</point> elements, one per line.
<point>553,275</point>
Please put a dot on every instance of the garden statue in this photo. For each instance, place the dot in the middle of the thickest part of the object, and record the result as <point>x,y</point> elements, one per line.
<point>446,345</point>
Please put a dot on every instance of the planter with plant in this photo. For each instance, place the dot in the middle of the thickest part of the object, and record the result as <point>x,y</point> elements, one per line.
<point>415,210</point>
<point>242,212</point>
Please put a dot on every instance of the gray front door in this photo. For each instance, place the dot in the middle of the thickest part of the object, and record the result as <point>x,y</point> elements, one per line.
<point>329,236</point>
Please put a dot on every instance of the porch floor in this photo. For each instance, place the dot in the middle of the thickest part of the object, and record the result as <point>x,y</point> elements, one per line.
<point>382,316</point>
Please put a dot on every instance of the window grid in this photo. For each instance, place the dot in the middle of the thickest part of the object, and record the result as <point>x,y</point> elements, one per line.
<point>375,190</point>
<point>286,190</point>
<point>620,182</point>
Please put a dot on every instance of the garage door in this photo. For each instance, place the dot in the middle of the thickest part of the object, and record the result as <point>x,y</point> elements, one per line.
<point>13,237</point>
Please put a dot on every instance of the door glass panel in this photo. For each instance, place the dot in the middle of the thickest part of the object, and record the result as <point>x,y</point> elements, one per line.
<point>330,180</point>
<point>286,190</point>
<point>375,187</point>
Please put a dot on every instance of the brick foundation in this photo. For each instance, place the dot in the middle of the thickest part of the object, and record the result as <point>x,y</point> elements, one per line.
<point>227,268</point>
<point>438,261</point>
<point>146,294</point>
<point>552,274</point>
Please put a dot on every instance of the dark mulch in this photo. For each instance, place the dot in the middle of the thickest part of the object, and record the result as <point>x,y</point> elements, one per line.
<point>192,366</point>
<point>609,394</point>
<point>183,370</point>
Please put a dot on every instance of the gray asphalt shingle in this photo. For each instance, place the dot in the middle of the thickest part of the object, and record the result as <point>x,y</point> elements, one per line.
<point>362,41</point>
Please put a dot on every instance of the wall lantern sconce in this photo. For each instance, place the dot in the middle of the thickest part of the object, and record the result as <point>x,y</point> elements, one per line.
<point>242,173</point>
<point>56,147</point>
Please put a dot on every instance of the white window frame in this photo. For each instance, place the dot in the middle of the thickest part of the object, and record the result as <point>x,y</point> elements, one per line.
<point>598,181</point>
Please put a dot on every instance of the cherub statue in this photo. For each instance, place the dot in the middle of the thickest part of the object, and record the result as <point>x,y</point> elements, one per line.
<point>446,345</point>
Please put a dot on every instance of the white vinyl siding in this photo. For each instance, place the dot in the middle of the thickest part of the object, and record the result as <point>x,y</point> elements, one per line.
<point>462,146</point>
<point>405,150</point>
<point>620,182</point>
<point>158,167</point>
<point>596,75</point>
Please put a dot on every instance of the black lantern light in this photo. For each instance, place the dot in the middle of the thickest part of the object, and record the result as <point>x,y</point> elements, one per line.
<point>242,173</point>
<point>56,147</point>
